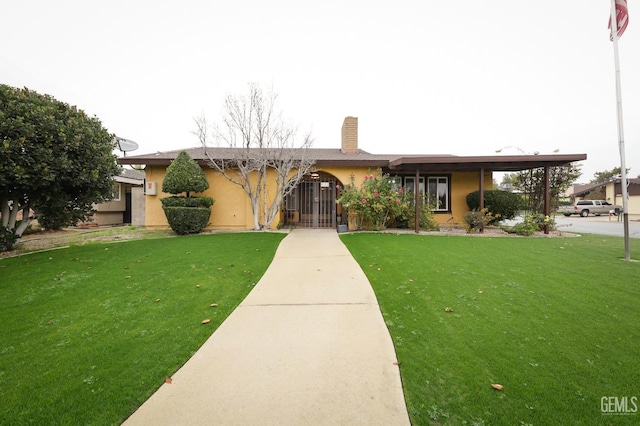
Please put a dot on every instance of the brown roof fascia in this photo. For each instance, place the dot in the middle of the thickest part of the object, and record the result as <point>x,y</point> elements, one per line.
<point>494,162</point>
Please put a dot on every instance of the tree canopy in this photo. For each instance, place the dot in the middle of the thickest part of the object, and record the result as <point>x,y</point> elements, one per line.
<point>184,175</point>
<point>55,162</point>
<point>606,175</point>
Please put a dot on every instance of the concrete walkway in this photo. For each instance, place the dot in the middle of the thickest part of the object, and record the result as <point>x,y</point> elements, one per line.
<point>308,346</point>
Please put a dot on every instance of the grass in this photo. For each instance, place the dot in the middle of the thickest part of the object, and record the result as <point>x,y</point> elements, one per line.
<point>553,320</point>
<point>89,333</point>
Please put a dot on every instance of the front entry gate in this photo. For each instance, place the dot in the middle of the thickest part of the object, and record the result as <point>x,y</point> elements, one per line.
<point>313,203</point>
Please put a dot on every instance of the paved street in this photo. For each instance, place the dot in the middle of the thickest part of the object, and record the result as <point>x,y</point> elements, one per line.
<point>599,225</point>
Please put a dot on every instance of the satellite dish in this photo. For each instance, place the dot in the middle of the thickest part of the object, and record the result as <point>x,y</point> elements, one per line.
<point>125,145</point>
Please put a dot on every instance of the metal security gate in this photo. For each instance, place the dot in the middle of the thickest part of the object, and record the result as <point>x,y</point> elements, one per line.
<point>313,203</point>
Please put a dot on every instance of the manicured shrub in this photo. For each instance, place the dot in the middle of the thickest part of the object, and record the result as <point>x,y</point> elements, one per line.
<point>503,204</point>
<point>186,215</point>
<point>184,175</point>
<point>187,202</point>
<point>187,220</point>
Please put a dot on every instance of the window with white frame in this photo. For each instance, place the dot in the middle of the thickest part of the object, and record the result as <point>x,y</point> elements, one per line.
<point>115,192</point>
<point>410,184</point>
<point>438,192</point>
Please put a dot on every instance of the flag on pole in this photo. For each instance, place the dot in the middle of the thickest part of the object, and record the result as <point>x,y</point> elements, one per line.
<point>622,17</point>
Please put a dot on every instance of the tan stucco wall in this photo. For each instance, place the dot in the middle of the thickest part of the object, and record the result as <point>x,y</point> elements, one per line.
<point>232,208</point>
<point>633,201</point>
<point>463,183</point>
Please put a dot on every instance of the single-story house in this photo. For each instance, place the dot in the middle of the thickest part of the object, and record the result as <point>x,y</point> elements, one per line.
<point>612,192</point>
<point>127,204</point>
<point>449,178</point>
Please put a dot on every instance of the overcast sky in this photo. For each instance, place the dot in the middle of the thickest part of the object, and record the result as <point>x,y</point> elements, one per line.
<point>463,77</point>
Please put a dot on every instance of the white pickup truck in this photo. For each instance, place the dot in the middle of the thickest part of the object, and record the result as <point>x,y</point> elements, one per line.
<point>586,207</point>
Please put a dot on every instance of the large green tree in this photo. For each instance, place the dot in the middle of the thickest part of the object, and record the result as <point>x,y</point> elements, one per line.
<point>55,162</point>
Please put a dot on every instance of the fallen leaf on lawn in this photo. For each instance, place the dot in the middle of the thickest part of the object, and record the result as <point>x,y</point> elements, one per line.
<point>49,322</point>
<point>138,261</point>
<point>396,363</point>
<point>207,321</point>
<point>126,267</point>
<point>448,309</point>
<point>127,276</point>
<point>198,285</point>
<point>214,305</point>
<point>157,300</point>
<point>496,386</point>
<point>168,380</point>
<point>480,292</point>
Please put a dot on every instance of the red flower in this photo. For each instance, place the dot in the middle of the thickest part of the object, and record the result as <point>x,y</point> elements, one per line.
<point>352,213</point>
<point>376,194</point>
<point>364,201</point>
<point>398,200</point>
<point>337,186</point>
<point>400,191</point>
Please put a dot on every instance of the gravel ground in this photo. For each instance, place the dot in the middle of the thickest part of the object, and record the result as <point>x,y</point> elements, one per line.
<point>46,240</point>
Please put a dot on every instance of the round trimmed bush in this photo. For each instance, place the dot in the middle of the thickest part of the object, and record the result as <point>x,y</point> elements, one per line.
<point>187,220</point>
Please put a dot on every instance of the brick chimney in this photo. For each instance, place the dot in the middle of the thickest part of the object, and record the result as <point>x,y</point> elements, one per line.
<point>350,135</point>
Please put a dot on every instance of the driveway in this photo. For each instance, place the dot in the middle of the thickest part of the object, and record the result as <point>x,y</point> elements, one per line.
<point>599,225</point>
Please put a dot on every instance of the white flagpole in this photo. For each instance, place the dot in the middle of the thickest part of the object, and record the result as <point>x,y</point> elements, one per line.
<point>623,167</point>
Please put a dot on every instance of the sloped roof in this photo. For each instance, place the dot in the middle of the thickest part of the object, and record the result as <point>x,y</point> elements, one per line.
<point>397,162</point>
<point>323,156</point>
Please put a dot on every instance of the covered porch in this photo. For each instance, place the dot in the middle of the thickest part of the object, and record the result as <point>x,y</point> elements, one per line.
<point>421,166</point>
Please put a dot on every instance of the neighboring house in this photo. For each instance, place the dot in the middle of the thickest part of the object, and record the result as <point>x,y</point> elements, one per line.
<point>127,205</point>
<point>612,192</point>
<point>313,204</point>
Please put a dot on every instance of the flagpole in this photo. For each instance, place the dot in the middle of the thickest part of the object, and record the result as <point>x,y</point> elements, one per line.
<point>623,167</point>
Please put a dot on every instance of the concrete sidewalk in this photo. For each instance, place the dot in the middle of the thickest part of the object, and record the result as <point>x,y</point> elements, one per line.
<point>308,346</point>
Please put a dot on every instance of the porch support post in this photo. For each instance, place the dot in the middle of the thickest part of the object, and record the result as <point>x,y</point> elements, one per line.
<point>481,188</point>
<point>547,198</point>
<point>416,191</point>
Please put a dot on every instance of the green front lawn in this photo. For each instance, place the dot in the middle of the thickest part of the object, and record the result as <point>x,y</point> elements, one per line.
<point>89,333</point>
<point>555,321</point>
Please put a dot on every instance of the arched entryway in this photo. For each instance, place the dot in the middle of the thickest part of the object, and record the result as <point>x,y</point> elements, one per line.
<point>313,203</point>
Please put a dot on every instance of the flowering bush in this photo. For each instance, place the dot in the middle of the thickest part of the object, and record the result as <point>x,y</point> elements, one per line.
<point>380,203</point>
<point>476,220</point>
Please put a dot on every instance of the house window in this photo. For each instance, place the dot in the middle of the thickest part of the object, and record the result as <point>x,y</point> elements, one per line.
<point>438,192</point>
<point>410,184</point>
<point>115,192</point>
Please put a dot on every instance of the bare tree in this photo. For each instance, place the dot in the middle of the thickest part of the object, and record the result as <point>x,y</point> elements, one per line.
<point>254,144</point>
